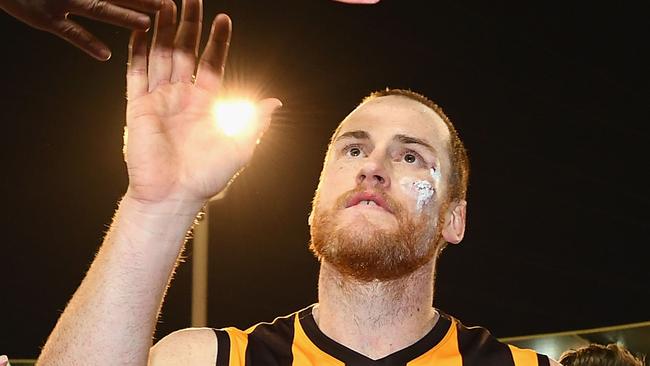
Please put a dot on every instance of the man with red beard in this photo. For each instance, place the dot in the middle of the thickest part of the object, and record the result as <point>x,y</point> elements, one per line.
<point>391,195</point>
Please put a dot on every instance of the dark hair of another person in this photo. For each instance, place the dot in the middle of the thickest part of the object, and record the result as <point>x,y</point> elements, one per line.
<point>600,355</point>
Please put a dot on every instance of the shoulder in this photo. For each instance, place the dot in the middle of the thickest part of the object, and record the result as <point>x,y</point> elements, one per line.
<point>478,346</point>
<point>191,346</point>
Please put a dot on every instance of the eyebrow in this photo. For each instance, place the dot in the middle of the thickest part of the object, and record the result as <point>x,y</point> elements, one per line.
<point>358,134</point>
<point>404,139</point>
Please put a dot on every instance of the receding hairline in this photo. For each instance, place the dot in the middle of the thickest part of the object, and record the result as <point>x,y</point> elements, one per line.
<point>382,98</point>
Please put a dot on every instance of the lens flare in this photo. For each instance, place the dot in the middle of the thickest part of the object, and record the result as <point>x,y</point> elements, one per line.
<point>234,117</point>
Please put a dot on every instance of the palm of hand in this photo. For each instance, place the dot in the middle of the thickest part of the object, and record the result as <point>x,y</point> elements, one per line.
<point>175,150</point>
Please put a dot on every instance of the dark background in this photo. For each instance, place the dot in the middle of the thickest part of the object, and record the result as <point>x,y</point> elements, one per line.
<point>550,98</point>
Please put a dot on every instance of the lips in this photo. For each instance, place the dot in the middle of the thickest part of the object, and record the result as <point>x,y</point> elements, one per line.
<point>367,198</point>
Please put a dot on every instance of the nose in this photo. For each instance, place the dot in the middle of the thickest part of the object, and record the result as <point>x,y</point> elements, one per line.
<point>373,174</point>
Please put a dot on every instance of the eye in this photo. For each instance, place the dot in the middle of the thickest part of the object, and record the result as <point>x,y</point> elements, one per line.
<point>410,158</point>
<point>353,151</point>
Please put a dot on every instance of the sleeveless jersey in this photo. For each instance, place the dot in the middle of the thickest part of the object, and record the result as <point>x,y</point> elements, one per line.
<point>296,340</point>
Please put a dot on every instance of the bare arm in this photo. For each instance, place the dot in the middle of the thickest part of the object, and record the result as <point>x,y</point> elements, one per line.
<point>177,159</point>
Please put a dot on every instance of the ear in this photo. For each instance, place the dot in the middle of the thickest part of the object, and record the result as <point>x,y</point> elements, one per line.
<point>454,229</point>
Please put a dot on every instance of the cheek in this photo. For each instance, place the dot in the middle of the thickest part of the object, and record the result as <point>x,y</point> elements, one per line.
<point>435,175</point>
<point>421,192</point>
<point>335,180</point>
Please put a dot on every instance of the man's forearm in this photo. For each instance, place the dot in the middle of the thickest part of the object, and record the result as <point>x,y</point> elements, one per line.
<point>112,316</point>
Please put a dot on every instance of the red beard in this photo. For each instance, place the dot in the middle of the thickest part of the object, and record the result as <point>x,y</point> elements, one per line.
<point>383,255</point>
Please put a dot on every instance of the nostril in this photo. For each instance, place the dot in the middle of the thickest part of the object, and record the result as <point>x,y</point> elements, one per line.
<point>379,178</point>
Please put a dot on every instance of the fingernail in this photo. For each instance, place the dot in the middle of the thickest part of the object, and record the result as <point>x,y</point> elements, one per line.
<point>278,103</point>
<point>144,21</point>
<point>103,53</point>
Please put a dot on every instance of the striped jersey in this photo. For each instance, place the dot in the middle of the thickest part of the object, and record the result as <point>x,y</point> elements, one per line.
<point>296,340</point>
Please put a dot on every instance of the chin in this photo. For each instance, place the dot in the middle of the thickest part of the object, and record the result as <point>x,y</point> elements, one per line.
<point>371,246</point>
<point>365,222</point>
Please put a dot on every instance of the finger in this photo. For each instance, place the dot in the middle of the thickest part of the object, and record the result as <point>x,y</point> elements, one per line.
<point>4,360</point>
<point>162,45</point>
<point>147,6</point>
<point>136,73</point>
<point>213,61</point>
<point>265,109</point>
<point>358,1</point>
<point>106,12</point>
<point>187,41</point>
<point>78,36</point>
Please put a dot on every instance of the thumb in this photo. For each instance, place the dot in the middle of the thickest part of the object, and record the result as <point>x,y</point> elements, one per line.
<point>266,108</point>
<point>4,361</point>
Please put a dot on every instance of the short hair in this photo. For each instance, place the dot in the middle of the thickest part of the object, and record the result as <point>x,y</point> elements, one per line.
<point>600,355</point>
<point>459,177</point>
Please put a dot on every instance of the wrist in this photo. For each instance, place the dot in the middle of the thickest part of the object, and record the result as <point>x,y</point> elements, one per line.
<point>161,224</point>
<point>171,206</point>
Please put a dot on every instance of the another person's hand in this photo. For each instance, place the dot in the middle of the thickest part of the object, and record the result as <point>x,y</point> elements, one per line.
<point>358,1</point>
<point>174,150</point>
<point>52,16</point>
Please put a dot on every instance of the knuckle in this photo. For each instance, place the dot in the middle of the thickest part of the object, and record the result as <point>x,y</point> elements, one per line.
<point>73,32</point>
<point>97,7</point>
<point>162,54</point>
<point>129,18</point>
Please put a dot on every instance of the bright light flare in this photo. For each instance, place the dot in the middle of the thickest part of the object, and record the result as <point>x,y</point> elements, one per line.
<point>235,117</point>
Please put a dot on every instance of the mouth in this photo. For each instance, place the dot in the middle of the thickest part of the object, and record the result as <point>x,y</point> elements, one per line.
<point>368,199</point>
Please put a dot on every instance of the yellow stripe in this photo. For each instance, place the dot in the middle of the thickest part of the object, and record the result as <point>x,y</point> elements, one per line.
<point>445,353</point>
<point>523,357</point>
<point>238,342</point>
<point>306,353</point>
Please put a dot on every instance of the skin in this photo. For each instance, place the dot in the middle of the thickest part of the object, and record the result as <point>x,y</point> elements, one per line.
<point>375,319</point>
<point>358,1</point>
<point>372,318</point>
<point>382,165</point>
<point>52,16</point>
<point>177,160</point>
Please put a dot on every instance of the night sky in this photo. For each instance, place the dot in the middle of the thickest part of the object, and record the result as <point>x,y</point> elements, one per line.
<point>550,98</point>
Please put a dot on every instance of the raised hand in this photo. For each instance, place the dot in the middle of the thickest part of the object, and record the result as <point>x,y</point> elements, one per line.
<point>173,149</point>
<point>52,16</point>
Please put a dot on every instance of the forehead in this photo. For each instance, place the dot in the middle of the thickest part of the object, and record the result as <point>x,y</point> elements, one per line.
<point>392,115</point>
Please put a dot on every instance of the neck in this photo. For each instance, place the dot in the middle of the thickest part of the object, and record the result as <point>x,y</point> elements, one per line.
<point>375,318</point>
